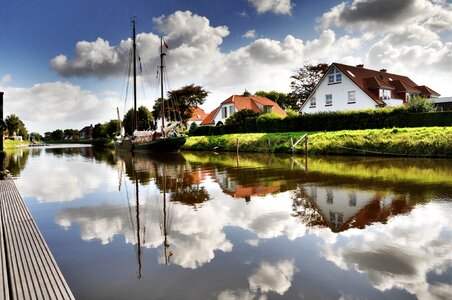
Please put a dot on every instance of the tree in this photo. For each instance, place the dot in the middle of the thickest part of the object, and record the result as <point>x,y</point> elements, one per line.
<point>57,135</point>
<point>145,120</point>
<point>16,126</point>
<point>244,120</point>
<point>420,104</point>
<point>283,100</point>
<point>181,102</point>
<point>305,80</point>
<point>34,136</point>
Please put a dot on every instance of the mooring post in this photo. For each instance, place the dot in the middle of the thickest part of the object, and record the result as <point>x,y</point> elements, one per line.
<point>2,128</point>
<point>238,145</point>
<point>306,145</point>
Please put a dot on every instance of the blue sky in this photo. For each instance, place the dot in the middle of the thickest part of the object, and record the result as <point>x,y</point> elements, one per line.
<point>62,62</point>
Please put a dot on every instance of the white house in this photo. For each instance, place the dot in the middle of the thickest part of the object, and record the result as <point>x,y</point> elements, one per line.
<point>236,103</point>
<point>345,87</point>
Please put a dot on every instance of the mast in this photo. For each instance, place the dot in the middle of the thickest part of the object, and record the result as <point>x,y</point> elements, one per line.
<point>134,119</point>
<point>161,84</point>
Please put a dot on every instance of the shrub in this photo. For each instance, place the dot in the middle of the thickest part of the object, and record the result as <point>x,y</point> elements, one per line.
<point>420,104</point>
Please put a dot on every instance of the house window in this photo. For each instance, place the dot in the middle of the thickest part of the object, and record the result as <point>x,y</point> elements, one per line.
<point>384,94</point>
<point>312,102</point>
<point>231,110</point>
<point>351,97</point>
<point>224,112</point>
<point>334,76</point>
<point>328,99</point>
<point>267,109</point>
<point>329,197</point>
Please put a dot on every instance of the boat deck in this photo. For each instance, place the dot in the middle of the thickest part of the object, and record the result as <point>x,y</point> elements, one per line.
<point>28,269</point>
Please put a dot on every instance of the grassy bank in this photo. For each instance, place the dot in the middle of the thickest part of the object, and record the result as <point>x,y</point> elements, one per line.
<point>10,144</point>
<point>422,141</point>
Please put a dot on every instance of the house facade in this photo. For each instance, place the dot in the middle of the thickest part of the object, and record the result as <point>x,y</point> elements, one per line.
<point>345,87</point>
<point>87,132</point>
<point>236,103</point>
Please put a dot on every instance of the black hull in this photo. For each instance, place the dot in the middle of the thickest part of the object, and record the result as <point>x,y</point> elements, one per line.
<point>170,144</point>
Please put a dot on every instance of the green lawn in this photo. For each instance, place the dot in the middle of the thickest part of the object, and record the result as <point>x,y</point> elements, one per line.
<point>421,141</point>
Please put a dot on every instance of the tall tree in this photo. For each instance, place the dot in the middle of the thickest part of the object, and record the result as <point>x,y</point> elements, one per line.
<point>304,81</point>
<point>145,120</point>
<point>16,126</point>
<point>283,100</point>
<point>181,102</point>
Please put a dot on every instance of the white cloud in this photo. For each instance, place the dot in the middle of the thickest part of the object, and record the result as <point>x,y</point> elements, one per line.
<point>281,7</point>
<point>387,15</point>
<point>275,277</point>
<point>250,34</point>
<point>5,79</point>
<point>52,104</point>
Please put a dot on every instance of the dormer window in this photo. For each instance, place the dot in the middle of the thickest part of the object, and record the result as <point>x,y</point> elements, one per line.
<point>384,94</point>
<point>267,109</point>
<point>334,76</point>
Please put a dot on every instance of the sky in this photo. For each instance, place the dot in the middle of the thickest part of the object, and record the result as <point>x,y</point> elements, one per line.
<point>63,62</point>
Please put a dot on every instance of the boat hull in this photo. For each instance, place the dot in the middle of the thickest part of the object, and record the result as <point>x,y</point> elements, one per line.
<point>170,144</point>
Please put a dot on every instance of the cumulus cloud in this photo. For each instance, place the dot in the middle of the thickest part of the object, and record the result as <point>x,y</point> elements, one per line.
<point>388,15</point>
<point>54,102</point>
<point>250,34</point>
<point>281,7</point>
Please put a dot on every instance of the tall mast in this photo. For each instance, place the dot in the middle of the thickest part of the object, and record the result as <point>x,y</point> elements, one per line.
<point>135,119</point>
<point>161,83</point>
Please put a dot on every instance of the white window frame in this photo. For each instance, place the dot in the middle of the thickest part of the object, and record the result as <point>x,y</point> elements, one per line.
<point>334,76</point>
<point>312,102</point>
<point>384,94</point>
<point>231,110</point>
<point>328,99</point>
<point>224,112</point>
<point>351,97</point>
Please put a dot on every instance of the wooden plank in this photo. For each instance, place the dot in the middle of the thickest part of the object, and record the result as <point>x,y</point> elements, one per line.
<point>4,292</point>
<point>32,271</point>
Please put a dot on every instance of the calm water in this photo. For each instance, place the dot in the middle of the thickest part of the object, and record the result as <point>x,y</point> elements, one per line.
<point>206,226</point>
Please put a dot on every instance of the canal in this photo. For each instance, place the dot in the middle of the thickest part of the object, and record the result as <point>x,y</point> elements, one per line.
<point>200,225</point>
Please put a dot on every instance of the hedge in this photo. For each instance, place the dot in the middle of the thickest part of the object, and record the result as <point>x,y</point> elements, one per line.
<point>333,121</point>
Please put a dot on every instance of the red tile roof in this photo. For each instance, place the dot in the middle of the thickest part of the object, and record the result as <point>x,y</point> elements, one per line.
<point>209,120</point>
<point>369,80</point>
<point>246,102</point>
<point>198,114</point>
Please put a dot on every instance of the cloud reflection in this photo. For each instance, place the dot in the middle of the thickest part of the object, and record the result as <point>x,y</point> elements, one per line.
<point>273,277</point>
<point>400,254</point>
<point>47,177</point>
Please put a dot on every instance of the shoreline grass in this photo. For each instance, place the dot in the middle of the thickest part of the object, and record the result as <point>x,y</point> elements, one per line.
<point>418,141</point>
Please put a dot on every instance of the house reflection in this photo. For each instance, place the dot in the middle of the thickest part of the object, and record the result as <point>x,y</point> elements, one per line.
<point>341,209</point>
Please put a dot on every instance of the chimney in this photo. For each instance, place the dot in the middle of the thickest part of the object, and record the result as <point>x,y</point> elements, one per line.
<point>383,70</point>
<point>360,66</point>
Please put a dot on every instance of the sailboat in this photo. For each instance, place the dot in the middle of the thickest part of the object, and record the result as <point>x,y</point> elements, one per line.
<point>165,140</point>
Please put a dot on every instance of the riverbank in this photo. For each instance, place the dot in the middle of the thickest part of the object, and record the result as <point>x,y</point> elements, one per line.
<point>420,141</point>
<point>10,144</point>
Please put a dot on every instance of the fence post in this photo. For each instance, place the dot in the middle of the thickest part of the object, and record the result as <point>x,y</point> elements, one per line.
<point>306,145</point>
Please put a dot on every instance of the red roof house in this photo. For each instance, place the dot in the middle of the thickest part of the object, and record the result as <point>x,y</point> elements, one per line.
<point>236,103</point>
<point>197,116</point>
<point>346,87</point>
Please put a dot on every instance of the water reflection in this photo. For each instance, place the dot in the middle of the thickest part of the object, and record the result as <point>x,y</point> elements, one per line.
<point>254,227</point>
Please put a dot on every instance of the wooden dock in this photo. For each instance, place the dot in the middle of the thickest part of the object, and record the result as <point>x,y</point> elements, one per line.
<point>28,269</point>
